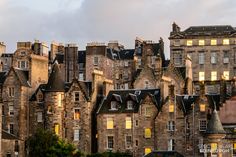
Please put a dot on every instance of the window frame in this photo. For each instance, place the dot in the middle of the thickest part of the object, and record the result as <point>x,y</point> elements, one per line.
<point>202,127</point>
<point>76,96</point>
<point>110,142</point>
<point>128,122</point>
<point>110,123</point>
<point>77,114</point>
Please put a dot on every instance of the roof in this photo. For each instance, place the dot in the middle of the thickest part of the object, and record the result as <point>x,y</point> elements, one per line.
<point>23,76</point>
<point>2,77</point>
<point>59,58</point>
<point>159,153</point>
<point>214,125</point>
<point>213,100</point>
<point>55,81</point>
<point>41,87</point>
<point>7,55</point>
<point>185,102</point>
<point>122,96</point>
<point>181,71</point>
<point>126,54</point>
<point>82,56</point>
<point>8,136</point>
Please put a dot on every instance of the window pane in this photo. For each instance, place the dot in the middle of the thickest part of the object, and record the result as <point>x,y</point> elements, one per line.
<point>147,150</point>
<point>76,114</point>
<point>40,117</point>
<point>213,42</point>
<point>110,123</point>
<point>110,142</point>
<point>201,42</point>
<point>201,76</point>
<point>225,41</point>
<point>171,108</point>
<point>57,127</point>
<point>189,42</point>
<point>201,58</point>
<point>202,107</point>
<point>148,133</point>
<point>76,135</point>
<point>128,123</point>
<point>213,58</point>
<point>59,100</point>
<point>226,75</point>
<point>76,96</point>
<point>213,75</point>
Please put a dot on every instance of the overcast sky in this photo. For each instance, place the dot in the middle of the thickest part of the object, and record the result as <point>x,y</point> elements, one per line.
<point>83,21</point>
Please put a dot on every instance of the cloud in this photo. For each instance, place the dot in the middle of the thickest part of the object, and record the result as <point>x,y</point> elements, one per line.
<point>103,20</point>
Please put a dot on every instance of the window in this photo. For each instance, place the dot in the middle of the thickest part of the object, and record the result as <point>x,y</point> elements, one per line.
<point>139,61</point>
<point>213,42</point>
<point>76,96</point>
<point>23,64</point>
<point>146,85</point>
<point>153,60</point>
<point>213,75</point>
<point>76,135</point>
<point>147,151</point>
<point>57,129</point>
<point>177,58</point>
<point>189,42</point>
<point>39,117</point>
<point>110,142</point>
<point>176,42</point>
<point>113,105</point>
<point>126,75</point>
<point>59,100</point>
<point>11,91</point>
<point>201,76</point>
<point>171,144</point>
<point>110,123</point>
<point>147,133</point>
<point>129,105</point>
<point>213,58</point>
<point>95,60</point>
<point>171,126</point>
<point>225,41</point>
<point>128,123</point>
<point>202,107</point>
<point>234,148</point>
<point>81,76</point>
<point>126,63</point>
<point>202,125</point>
<point>201,42</point>
<point>128,142</point>
<point>201,57</point>
<point>148,111</point>
<point>22,53</point>
<point>76,114</point>
<point>226,75</point>
<point>226,57</point>
<point>11,110</point>
<point>136,143</point>
<point>40,97</point>
<point>213,147</point>
<point>11,128</point>
<point>126,86</point>
<point>171,108</point>
<point>136,123</point>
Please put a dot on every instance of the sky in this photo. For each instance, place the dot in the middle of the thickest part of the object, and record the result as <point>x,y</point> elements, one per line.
<point>84,21</point>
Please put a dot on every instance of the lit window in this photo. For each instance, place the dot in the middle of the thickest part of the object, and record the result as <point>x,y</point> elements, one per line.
<point>110,123</point>
<point>148,111</point>
<point>76,114</point>
<point>171,144</point>
<point>201,76</point>
<point>110,142</point>
<point>213,147</point>
<point>171,126</point>
<point>201,58</point>
<point>11,110</point>
<point>171,108</point>
<point>225,41</point>
<point>213,42</point>
<point>57,129</point>
<point>113,105</point>
<point>213,75</point>
<point>95,60</point>
<point>226,75</point>
<point>213,58</point>
<point>189,42</point>
<point>76,96</point>
<point>234,148</point>
<point>201,42</point>
<point>128,123</point>
<point>59,100</point>
<point>147,151</point>
<point>202,125</point>
<point>76,135</point>
<point>129,105</point>
<point>11,91</point>
<point>128,142</point>
<point>147,133</point>
<point>39,117</point>
<point>202,107</point>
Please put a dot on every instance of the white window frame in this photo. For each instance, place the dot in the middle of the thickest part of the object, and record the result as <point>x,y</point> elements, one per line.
<point>126,63</point>
<point>128,144</point>
<point>75,96</point>
<point>201,126</point>
<point>39,116</point>
<point>113,105</point>
<point>11,110</point>
<point>213,57</point>
<point>171,126</point>
<point>201,58</point>
<point>95,60</point>
<point>177,57</point>
<point>11,91</point>
<point>76,134</point>
<point>130,105</point>
<point>110,143</point>
<point>171,143</point>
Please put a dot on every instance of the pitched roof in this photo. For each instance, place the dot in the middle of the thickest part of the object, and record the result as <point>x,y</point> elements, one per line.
<point>55,81</point>
<point>2,77</point>
<point>8,136</point>
<point>213,100</point>
<point>185,102</point>
<point>214,125</point>
<point>122,96</point>
<point>41,87</point>
<point>23,76</point>
<point>160,153</point>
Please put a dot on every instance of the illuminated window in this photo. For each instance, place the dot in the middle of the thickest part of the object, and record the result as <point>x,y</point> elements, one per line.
<point>110,142</point>
<point>76,135</point>
<point>57,129</point>
<point>147,151</point>
<point>234,148</point>
<point>76,96</point>
<point>201,58</point>
<point>225,41</point>
<point>201,42</point>
<point>201,76</point>
<point>148,111</point>
<point>213,58</point>
<point>213,42</point>
<point>226,75</point>
<point>171,144</point>
<point>76,114</point>
<point>202,125</point>
<point>110,123</point>
<point>128,142</point>
<point>147,133</point>
<point>202,107</point>
<point>213,75</point>
<point>213,147</point>
<point>171,108</point>
<point>39,117</point>
<point>189,42</point>
<point>59,100</point>
<point>128,123</point>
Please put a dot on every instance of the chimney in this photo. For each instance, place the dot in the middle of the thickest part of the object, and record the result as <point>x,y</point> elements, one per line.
<point>175,28</point>
<point>107,86</point>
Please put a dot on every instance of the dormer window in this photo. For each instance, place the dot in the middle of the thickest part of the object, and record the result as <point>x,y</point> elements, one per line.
<point>40,97</point>
<point>23,64</point>
<point>113,105</point>
<point>130,105</point>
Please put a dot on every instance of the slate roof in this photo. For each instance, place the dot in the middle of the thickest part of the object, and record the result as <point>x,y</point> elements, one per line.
<point>2,77</point>
<point>82,56</point>
<point>8,136</point>
<point>160,153</point>
<point>7,55</point>
<point>124,54</point>
<point>55,81</point>
<point>122,96</point>
<point>185,102</point>
<point>214,125</point>
<point>41,87</point>
<point>214,100</point>
<point>23,76</point>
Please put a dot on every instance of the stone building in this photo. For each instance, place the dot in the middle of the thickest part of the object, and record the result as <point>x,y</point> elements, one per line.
<point>6,61</point>
<point>212,50</point>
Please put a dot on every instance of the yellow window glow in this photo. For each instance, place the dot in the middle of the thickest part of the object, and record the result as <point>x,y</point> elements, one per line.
<point>128,123</point>
<point>234,147</point>
<point>201,76</point>
<point>213,147</point>
<point>76,114</point>
<point>202,107</point>
<point>225,41</point>
<point>110,123</point>
<point>148,133</point>
<point>213,75</point>
<point>59,100</point>
<point>201,42</point>
<point>171,108</point>
<point>213,42</point>
<point>147,151</point>
<point>189,42</point>
<point>226,75</point>
<point>57,129</point>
